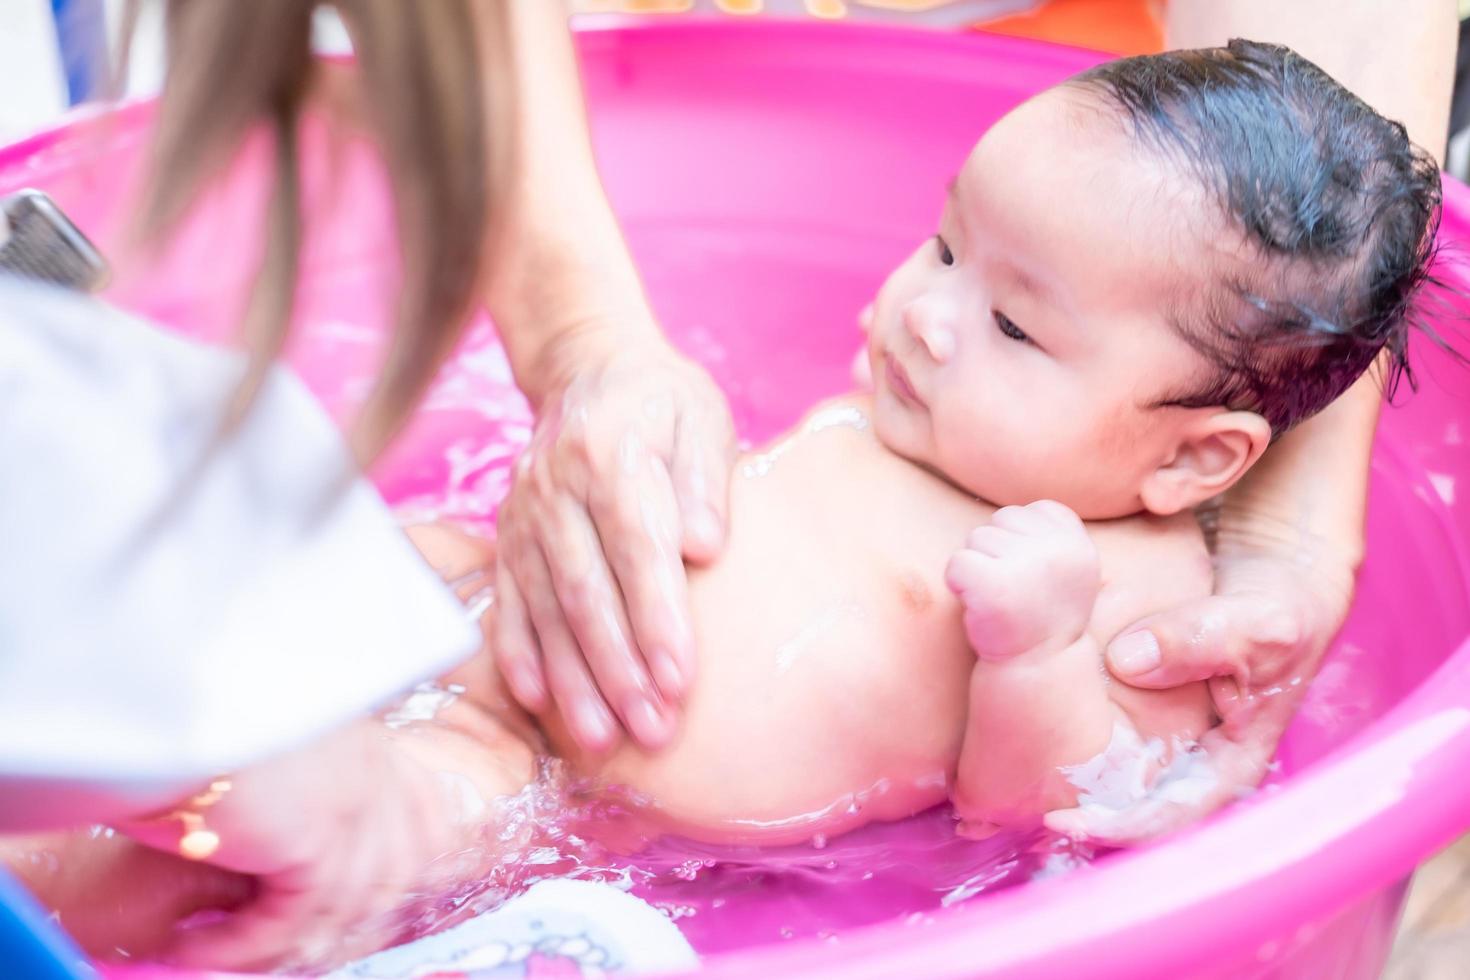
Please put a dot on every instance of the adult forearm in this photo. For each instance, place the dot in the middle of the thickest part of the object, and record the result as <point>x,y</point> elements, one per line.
<point>560,263</point>
<point>1308,495</point>
<point>1400,58</point>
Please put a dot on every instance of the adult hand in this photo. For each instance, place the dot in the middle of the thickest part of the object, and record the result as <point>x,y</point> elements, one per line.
<point>115,896</point>
<point>626,477</point>
<point>338,840</point>
<point>1258,641</point>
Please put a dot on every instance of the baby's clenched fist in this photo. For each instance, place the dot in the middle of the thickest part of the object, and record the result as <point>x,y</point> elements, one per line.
<point>1028,580</point>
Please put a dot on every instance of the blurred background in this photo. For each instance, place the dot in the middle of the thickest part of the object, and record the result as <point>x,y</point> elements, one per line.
<point>52,51</point>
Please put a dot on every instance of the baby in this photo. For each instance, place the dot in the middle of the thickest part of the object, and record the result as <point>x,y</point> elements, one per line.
<point>1140,278</point>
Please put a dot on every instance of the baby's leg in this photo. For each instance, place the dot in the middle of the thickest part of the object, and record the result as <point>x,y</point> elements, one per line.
<point>467,563</point>
<point>1039,696</point>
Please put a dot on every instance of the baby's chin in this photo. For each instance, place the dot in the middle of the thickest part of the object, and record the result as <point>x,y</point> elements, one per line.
<point>899,431</point>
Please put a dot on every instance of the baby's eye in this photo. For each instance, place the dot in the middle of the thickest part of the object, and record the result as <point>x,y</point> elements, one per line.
<point>945,255</point>
<point>1009,328</point>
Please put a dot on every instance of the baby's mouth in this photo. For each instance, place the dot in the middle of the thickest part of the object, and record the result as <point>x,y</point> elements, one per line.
<point>898,382</point>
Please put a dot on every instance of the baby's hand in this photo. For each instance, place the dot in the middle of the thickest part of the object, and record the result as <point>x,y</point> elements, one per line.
<point>1028,580</point>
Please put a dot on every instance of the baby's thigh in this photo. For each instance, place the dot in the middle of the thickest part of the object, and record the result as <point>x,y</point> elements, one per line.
<point>457,555</point>
<point>466,562</point>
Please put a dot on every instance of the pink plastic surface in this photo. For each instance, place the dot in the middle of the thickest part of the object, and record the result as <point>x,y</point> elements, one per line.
<point>768,175</point>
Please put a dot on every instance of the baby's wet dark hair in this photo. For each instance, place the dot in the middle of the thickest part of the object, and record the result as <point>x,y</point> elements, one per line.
<point>1338,208</point>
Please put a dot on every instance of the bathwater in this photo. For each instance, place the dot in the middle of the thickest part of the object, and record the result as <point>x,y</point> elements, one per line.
<point>775,365</point>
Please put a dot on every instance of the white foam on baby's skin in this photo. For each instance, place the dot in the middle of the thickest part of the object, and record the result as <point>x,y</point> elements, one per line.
<point>1132,770</point>
<point>830,417</point>
<point>835,416</point>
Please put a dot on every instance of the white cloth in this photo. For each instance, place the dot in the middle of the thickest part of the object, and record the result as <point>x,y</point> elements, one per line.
<point>154,634</point>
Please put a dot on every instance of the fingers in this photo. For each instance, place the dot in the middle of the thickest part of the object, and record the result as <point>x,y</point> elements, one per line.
<point>1041,517</point>
<point>570,684</point>
<point>1036,516</point>
<point>974,574</point>
<point>301,918</point>
<point>1143,822</point>
<point>637,525</point>
<point>967,572</point>
<point>700,467</point>
<point>594,610</point>
<point>1245,636</point>
<point>1254,718</point>
<point>562,635</point>
<point>988,540</point>
<point>515,648</point>
<point>257,936</point>
<point>336,888</point>
<point>614,495</point>
<point>1056,513</point>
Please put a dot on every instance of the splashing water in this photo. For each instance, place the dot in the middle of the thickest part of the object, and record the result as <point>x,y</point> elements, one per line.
<point>465,438</point>
<point>728,896</point>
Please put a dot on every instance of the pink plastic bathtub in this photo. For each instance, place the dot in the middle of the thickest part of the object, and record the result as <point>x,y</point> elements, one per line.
<point>767,176</point>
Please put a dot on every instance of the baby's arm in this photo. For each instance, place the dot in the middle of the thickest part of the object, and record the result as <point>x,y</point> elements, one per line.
<point>1039,698</point>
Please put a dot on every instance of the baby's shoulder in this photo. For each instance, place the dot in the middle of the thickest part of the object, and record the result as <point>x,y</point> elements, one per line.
<point>1178,535</point>
<point>1151,563</point>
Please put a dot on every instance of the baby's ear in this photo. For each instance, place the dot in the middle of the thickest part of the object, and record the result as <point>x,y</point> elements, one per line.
<point>1214,450</point>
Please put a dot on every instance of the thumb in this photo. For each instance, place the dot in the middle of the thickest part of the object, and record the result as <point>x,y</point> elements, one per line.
<point>1211,637</point>
<point>257,936</point>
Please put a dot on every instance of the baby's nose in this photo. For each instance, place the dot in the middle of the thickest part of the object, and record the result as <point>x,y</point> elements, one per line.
<point>930,322</point>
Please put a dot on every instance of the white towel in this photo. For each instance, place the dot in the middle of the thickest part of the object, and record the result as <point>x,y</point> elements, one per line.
<point>148,640</point>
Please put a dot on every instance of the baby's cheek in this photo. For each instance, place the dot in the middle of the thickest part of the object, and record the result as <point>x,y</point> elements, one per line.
<point>974,456</point>
<point>1008,454</point>
<point>1121,436</point>
<point>901,432</point>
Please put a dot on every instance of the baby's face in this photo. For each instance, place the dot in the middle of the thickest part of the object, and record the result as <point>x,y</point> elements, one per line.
<point>1023,351</point>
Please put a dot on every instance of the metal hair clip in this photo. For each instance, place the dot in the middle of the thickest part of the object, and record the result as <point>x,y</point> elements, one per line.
<point>38,241</point>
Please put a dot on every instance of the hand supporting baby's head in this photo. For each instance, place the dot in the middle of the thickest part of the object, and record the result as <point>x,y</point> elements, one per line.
<point>1146,274</point>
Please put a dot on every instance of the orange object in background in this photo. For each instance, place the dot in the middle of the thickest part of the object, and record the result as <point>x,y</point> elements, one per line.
<point>1117,26</point>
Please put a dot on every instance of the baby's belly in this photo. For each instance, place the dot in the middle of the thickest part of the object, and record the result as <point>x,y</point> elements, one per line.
<point>765,757</point>
<point>826,698</point>
<point>833,671</point>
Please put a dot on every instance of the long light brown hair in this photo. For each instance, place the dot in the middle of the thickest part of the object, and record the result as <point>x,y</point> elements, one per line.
<point>433,91</point>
